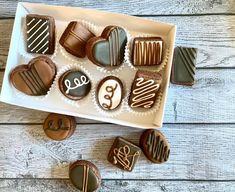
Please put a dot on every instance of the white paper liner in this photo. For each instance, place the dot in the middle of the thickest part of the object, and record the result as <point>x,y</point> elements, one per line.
<point>71,58</point>
<point>22,47</point>
<point>155,68</point>
<point>55,86</point>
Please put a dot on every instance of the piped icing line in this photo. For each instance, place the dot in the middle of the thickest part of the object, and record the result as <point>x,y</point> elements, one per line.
<point>78,83</point>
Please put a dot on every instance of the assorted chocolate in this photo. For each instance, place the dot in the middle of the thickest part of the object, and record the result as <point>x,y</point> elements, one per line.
<point>108,49</point>
<point>40,34</point>
<point>59,127</point>
<point>183,66</point>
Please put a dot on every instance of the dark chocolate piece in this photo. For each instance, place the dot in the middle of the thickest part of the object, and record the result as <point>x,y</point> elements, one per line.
<point>155,146</point>
<point>74,84</point>
<point>108,49</point>
<point>147,51</point>
<point>124,154</point>
<point>74,39</point>
<point>110,93</point>
<point>183,67</point>
<point>40,32</point>
<point>59,127</point>
<point>144,89</point>
<point>85,176</point>
<point>35,78</point>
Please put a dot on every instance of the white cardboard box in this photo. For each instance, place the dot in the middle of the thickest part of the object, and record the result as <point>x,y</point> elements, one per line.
<point>54,103</point>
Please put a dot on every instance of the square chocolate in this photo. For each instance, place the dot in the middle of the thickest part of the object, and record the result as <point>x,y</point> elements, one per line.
<point>183,66</point>
<point>144,89</point>
<point>124,154</point>
<point>40,33</point>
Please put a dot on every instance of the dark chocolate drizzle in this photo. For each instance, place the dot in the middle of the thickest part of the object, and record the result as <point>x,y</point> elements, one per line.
<point>109,89</point>
<point>60,126</point>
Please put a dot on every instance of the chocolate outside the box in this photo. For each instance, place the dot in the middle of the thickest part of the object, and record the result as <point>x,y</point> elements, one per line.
<point>59,127</point>
<point>108,49</point>
<point>124,154</point>
<point>183,67</point>
<point>155,146</point>
<point>109,93</point>
<point>74,84</point>
<point>40,33</point>
<point>35,78</point>
<point>147,51</point>
<point>74,39</point>
<point>85,176</point>
<point>144,89</point>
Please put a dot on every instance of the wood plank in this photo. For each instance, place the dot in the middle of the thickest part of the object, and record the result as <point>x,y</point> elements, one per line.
<point>212,35</point>
<point>210,100</point>
<point>200,151</point>
<point>29,185</point>
<point>135,7</point>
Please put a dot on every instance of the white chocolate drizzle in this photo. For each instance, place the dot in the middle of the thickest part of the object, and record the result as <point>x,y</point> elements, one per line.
<point>78,83</point>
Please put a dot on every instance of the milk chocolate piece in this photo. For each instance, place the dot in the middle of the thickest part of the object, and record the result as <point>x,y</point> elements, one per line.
<point>144,89</point>
<point>40,32</point>
<point>59,127</point>
<point>147,51</point>
<point>85,176</point>
<point>108,49</point>
<point>124,154</point>
<point>74,39</point>
<point>110,93</point>
<point>183,67</point>
<point>74,84</point>
<point>35,78</point>
<point>155,146</point>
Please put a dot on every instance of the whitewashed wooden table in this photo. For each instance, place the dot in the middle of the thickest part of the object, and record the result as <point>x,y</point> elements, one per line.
<point>199,121</point>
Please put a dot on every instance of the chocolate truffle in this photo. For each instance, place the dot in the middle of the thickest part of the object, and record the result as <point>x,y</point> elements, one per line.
<point>144,89</point>
<point>155,146</point>
<point>40,32</point>
<point>124,154</point>
<point>85,176</point>
<point>147,51</point>
<point>183,67</point>
<point>74,39</point>
<point>110,93</point>
<point>74,84</point>
<point>59,127</point>
<point>108,49</point>
<point>35,78</point>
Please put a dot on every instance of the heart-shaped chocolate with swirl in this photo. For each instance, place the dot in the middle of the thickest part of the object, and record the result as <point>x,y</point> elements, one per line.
<point>108,49</point>
<point>35,78</point>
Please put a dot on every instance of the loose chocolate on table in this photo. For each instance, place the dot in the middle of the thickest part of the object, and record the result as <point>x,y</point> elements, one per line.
<point>108,49</point>
<point>74,39</point>
<point>144,89</point>
<point>155,146</point>
<point>183,66</point>
<point>40,32</point>
<point>147,51</point>
<point>124,154</point>
<point>74,84</point>
<point>59,127</point>
<point>85,176</point>
<point>35,78</point>
<point>110,93</point>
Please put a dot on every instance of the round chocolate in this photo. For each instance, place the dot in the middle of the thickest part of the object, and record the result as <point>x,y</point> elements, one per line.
<point>59,127</point>
<point>155,146</point>
<point>74,84</point>
<point>85,176</point>
<point>110,93</point>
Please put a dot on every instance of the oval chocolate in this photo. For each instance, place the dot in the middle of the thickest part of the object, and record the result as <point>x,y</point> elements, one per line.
<point>110,93</point>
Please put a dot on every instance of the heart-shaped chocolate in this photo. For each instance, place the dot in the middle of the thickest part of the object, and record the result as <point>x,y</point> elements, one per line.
<point>108,49</point>
<point>35,78</point>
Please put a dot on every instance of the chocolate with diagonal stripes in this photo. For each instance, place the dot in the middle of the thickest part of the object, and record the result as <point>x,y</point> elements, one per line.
<point>40,33</point>
<point>35,78</point>
<point>183,66</point>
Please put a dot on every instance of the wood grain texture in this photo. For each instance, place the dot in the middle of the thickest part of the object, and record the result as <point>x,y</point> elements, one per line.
<point>135,7</point>
<point>58,185</point>
<point>203,152</point>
